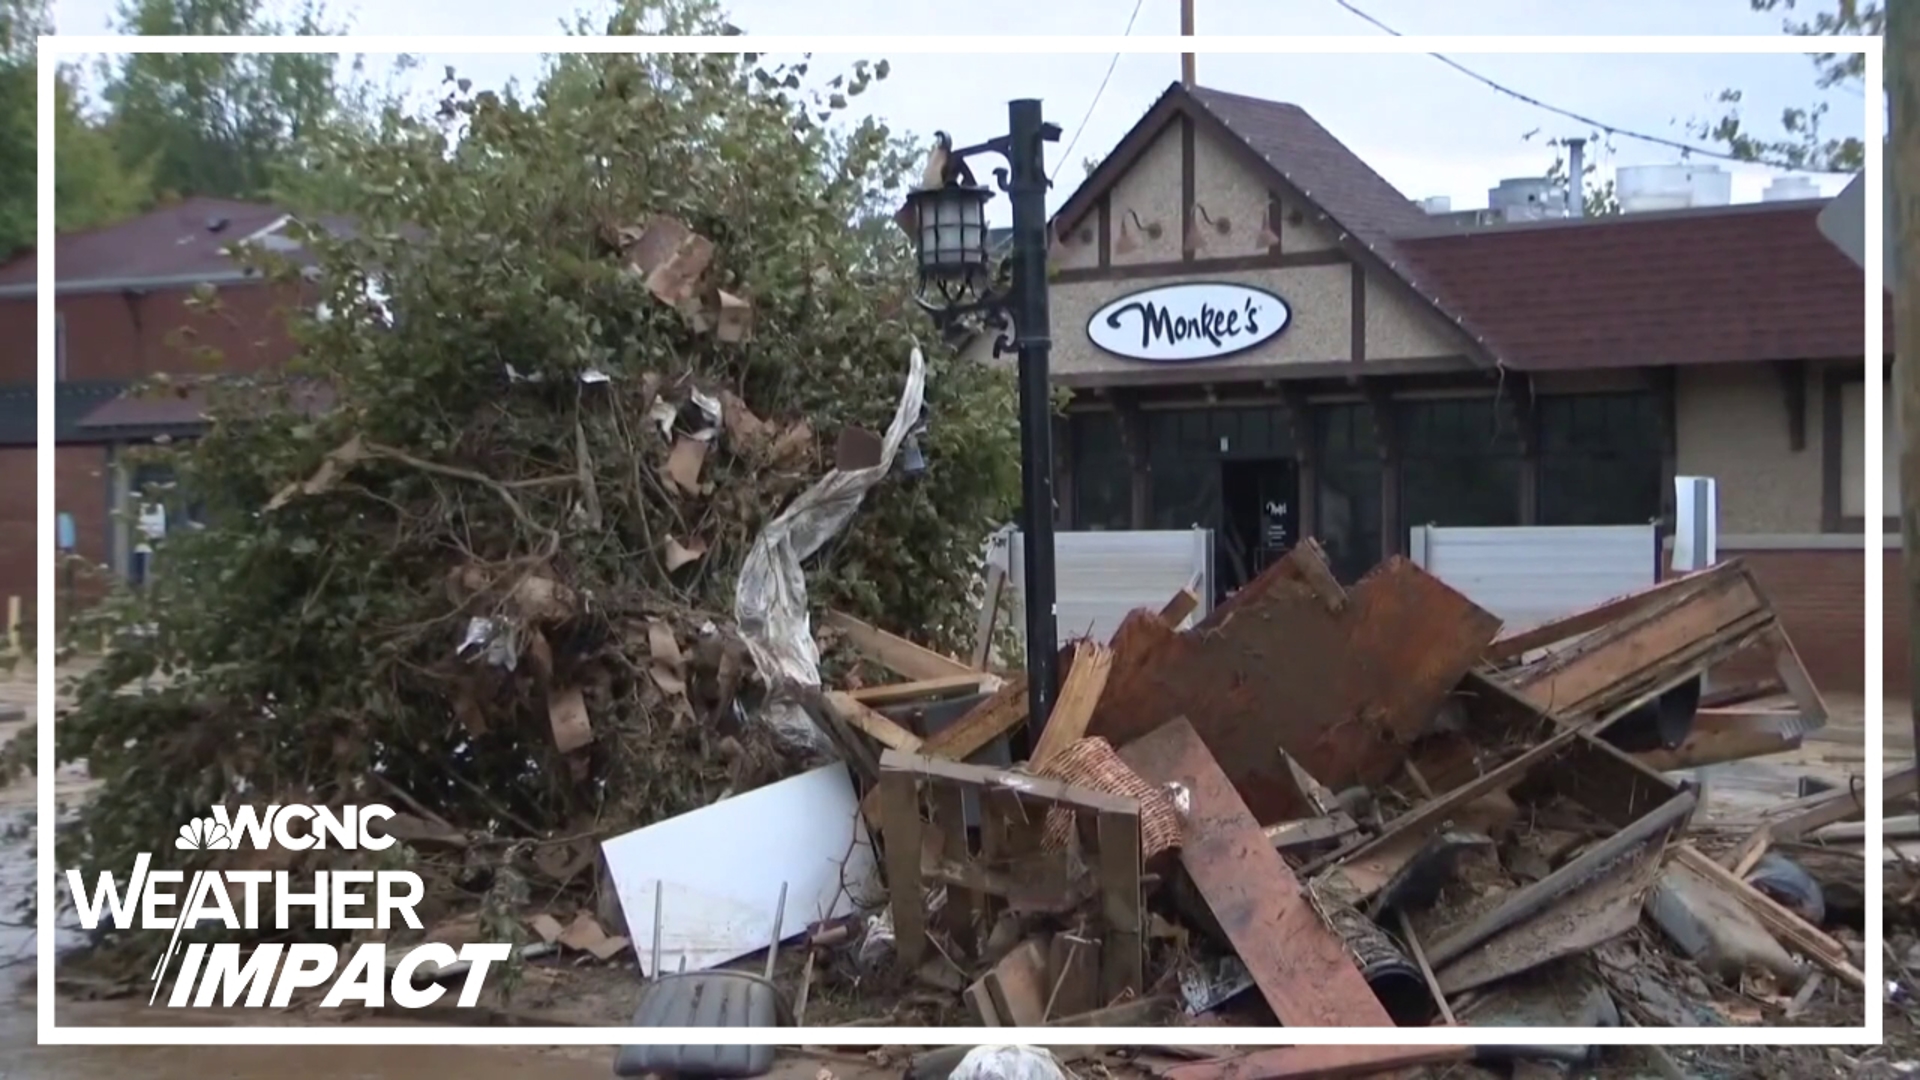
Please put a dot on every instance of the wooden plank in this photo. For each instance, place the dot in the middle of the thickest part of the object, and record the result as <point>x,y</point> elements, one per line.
<point>1791,929</point>
<point>1037,788</point>
<point>1073,975</point>
<point>1079,696</point>
<point>1182,604</point>
<point>1793,673</point>
<point>1018,986</point>
<point>1301,967</point>
<point>1842,804</point>
<point>1718,738</point>
<point>921,689</point>
<point>1741,693</point>
<point>893,652</point>
<point>1309,832</point>
<point>1530,900</point>
<point>989,617</point>
<point>1571,686</point>
<point>985,722</point>
<point>900,829</point>
<point>1315,1062</point>
<point>1584,622</point>
<point>1118,840</point>
<point>861,718</point>
<point>947,805</point>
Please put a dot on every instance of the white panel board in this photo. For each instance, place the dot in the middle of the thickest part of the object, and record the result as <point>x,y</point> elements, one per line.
<point>1534,574</point>
<point>722,867</point>
<point>1101,576</point>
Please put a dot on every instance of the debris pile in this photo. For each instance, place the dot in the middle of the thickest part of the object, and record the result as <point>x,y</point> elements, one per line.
<point>1322,805</point>
<point>591,678</point>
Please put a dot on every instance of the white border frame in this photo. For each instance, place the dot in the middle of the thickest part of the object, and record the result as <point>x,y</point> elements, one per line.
<point>54,49</point>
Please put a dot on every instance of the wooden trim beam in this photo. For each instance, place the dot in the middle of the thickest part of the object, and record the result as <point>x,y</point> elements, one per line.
<point>1793,391</point>
<point>1189,267</point>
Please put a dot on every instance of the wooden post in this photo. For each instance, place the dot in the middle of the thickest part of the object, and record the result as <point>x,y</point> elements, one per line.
<point>1903,78</point>
<point>1186,30</point>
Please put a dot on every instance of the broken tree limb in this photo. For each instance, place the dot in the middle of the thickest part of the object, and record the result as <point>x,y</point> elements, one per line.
<point>1525,903</point>
<point>1301,967</point>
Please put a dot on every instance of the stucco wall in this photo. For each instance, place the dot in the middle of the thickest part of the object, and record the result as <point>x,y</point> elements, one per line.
<point>1400,326</point>
<point>1150,191</point>
<point>1233,197</point>
<point>1731,424</point>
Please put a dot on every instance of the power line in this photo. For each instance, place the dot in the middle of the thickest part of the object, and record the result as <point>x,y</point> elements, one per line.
<point>1610,129</point>
<point>1095,103</point>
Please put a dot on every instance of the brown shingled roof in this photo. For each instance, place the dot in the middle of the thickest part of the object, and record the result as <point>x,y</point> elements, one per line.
<point>170,241</point>
<point>1321,166</point>
<point>1743,283</point>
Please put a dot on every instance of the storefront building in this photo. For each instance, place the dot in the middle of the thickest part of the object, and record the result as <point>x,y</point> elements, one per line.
<point>1287,346</point>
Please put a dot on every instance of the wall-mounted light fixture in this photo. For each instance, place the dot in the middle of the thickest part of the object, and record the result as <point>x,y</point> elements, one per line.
<point>1195,240</point>
<point>1269,238</point>
<point>1125,244</point>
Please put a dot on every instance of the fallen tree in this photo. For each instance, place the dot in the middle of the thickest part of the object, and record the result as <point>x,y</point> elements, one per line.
<point>473,556</point>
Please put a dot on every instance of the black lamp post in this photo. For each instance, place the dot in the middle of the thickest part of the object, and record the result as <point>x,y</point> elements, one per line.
<point>958,278</point>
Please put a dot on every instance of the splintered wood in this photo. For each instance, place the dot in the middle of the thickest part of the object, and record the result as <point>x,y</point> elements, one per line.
<point>1301,967</point>
<point>1342,680</point>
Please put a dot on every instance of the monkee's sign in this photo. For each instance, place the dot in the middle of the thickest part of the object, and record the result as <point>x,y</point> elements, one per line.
<point>1201,320</point>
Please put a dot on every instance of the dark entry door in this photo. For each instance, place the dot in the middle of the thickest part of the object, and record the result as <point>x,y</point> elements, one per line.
<point>1259,519</point>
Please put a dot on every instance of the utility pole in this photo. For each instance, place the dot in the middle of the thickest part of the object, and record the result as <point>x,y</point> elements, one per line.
<point>1902,52</point>
<point>1186,30</point>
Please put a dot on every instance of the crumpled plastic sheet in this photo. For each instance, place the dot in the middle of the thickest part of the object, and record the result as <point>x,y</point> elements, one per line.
<point>770,598</point>
<point>1009,1063</point>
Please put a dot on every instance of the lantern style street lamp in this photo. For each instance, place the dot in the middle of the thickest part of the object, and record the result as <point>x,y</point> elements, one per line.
<point>958,278</point>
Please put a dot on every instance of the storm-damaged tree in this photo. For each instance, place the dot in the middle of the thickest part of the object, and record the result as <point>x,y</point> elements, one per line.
<point>311,651</point>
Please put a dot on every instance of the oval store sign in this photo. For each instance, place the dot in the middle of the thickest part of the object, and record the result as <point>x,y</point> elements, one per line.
<point>1202,320</point>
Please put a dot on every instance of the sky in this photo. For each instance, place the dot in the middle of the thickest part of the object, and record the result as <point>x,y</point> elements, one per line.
<point>1428,129</point>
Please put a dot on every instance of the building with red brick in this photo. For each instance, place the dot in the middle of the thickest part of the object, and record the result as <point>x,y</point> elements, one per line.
<point>1434,371</point>
<point>124,311</point>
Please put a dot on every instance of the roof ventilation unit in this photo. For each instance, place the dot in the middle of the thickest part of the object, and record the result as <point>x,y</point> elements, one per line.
<point>1525,198</point>
<point>1790,188</point>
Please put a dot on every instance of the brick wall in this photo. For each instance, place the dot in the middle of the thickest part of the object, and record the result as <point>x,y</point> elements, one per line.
<point>16,522</point>
<point>1817,595</point>
<point>80,489</point>
<point>126,336</point>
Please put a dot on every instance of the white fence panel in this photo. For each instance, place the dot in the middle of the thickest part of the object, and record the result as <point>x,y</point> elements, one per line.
<point>1529,575</point>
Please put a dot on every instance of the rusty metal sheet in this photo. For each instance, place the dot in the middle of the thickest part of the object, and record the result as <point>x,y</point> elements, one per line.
<point>1342,684</point>
<point>1301,967</point>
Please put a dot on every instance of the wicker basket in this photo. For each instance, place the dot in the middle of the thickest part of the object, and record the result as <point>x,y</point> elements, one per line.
<point>1093,764</point>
